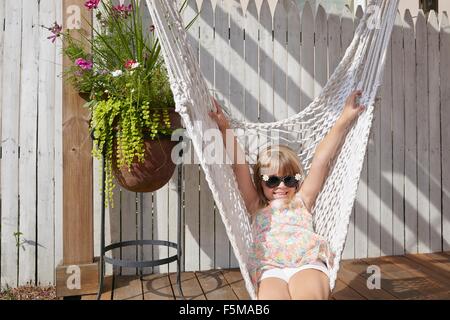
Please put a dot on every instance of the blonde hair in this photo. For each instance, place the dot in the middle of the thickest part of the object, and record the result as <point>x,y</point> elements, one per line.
<point>279,158</point>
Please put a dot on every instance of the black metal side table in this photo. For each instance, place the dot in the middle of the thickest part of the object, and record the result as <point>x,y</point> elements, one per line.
<point>142,242</point>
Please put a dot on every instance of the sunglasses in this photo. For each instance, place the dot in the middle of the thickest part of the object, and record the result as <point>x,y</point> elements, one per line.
<point>274,181</point>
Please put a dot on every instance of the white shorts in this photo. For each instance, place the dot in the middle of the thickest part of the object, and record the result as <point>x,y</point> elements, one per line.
<point>286,273</point>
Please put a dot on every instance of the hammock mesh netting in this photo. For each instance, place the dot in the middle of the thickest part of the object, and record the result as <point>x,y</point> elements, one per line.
<point>361,68</point>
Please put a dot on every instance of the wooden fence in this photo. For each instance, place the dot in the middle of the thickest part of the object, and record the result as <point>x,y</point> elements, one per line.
<point>264,63</point>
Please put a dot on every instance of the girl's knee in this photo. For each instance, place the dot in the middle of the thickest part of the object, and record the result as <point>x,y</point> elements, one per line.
<point>315,294</point>
<point>273,289</point>
<point>309,285</point>
<point>320,294</point>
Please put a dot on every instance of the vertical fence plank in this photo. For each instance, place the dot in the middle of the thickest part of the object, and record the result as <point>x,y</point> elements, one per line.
<point>293,66</point>
<point>206,59</point>
<point>10,140</point>
<point>435,133</point>
<point>97,202</point>
<point>321,48</point>
<point>146,18</point>
<point>111,219</point>
<point>361,196</point>
<point>445,121</point>
<point>265,63</point>
<point>172,217</point>
<point>334,40</point>
<point>307,56</point>
<point>113,215</point>
<point>191,171</point>
<point>96,180</point>
<point>212,232</point>
<point>359,11</point>
<point>46,147</point>
<point>280,62</point>
<point>423,165</point>
<point>161,225</point>
<point>373,198</point>
<point>306,65</point>
<point>129,222</point>
<point>58,169</point>
<point>222,86</point>
<point>237,76</point>
<point>386,157</point>
<point>77,152</point>
<point>410,77</point>
<point>174,205</point>
<point>251,74</point>
<point>236,60</point>
<point>347,30</point>
<point>145,208</point>
<point>251,83</point>
<point>293,58</point>
<point>360,212</point>
<point>175,208</point>
<point>27,142</point>
<point>398,128</point>
<point>2,19</point>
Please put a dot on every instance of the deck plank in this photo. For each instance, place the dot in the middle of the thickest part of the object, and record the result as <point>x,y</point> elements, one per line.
<point>234,279</point>
<point>190,286</point>
<point>157,287</point>
<point>215,286</point>
<point>442,257</point>
<point>107,291</point>
<point>389,283</point>
<point>404,281</point>
<point>358,282</point>
<point>413,276</point>
<point>127,288</point>
<point>437,264</point>
<point>435,285</point>
<point>343,292</point>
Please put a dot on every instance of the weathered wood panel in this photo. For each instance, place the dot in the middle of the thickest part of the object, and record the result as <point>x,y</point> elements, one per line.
<point>265,61</point>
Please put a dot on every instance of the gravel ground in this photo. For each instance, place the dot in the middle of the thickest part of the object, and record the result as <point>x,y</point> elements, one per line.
<point>29,293</point>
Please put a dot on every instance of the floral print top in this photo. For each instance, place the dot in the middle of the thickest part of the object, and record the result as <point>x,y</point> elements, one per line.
<point>284,237</point>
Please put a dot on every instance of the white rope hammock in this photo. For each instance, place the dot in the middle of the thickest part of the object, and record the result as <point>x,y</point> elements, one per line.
<point>361,68</point>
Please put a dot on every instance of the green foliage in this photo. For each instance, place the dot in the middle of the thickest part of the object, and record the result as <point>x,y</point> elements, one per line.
<point>126,80</point>
<point>120,45</point>
<point>127,124</point>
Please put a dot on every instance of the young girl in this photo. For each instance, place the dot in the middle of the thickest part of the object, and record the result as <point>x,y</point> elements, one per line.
<point>289,260</point>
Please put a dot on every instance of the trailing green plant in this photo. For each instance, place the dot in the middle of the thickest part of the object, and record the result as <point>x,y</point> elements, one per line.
<point>124,76</point>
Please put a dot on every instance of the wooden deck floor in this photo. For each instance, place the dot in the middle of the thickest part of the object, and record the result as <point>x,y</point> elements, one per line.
<point>420,276</point>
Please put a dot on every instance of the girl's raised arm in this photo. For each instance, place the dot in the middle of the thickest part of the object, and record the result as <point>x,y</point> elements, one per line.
<point>328,149</point>
<point>240,166</point>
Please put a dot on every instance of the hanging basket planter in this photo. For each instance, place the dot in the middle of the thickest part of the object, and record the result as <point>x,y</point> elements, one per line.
<point>158,166</point>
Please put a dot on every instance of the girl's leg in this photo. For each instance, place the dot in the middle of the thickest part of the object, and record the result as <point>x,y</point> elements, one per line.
<point>309,284</point>
<point>273,289</point>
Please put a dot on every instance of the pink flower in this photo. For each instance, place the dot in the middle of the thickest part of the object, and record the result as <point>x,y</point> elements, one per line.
<point>129,64</point>
<point>91,4</point>
<point>84,64</point>
<point>56,29</point>
<point>123,9</point>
